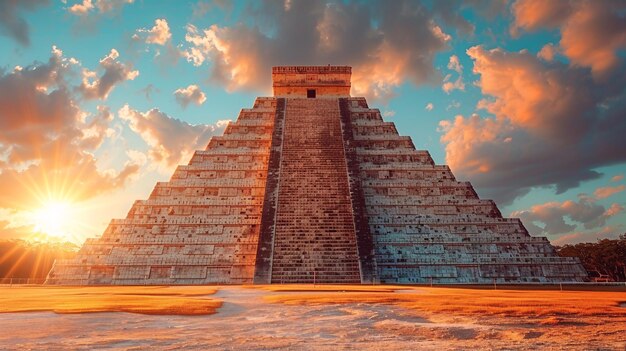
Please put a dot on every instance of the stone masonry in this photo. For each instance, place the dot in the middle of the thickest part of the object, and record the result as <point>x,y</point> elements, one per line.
<point>308,186</point>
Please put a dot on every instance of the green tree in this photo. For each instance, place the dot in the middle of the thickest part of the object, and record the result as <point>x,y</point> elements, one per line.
<point>606,256</point>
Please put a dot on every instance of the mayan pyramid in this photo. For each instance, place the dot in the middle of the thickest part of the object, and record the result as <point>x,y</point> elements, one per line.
<point>312,185</point>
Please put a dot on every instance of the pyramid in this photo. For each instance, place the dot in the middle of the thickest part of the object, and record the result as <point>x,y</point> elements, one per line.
<point>312,185</point>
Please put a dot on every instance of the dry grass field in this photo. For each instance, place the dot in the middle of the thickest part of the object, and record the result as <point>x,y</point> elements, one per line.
<point>190,300</point>
<point>305,317</point>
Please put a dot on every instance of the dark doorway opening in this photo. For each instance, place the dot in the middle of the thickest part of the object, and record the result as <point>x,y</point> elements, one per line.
<point>310,93</point>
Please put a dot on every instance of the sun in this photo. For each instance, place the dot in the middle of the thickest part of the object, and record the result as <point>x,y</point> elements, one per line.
<point>54,219</point>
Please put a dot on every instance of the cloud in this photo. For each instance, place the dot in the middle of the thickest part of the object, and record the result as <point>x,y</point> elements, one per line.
<point>607,191</point>
<point>387,43</point>
<point>115,72</point>
<point>453,105</point>
<point>148,90</point>
<point>166,53</point>
<point>450,14</point>
<point>188,95</point>
<point>111,5</point>
<point>81,8</point>
<point>12,24</point>
<point>588,236</point>
<point>389,114</point>
<point>617,178</point>
<point>553,215</point>
<point>592,32</point>
<point>429,106</point>
<point>450,11</point>
<point>86,7</point>
<point>97,129</point>
<point>171,140</point>
<point>458,84</point>
<point>534,138</point>
<point>137,157</point>
<point>455,65</point>
<point>201,8</point>
<point>548,52</point>
<point>48,141</point>
<point>159,34</point>
<point>535,14</point>
<point>34,101</point>
<point>613,210</point>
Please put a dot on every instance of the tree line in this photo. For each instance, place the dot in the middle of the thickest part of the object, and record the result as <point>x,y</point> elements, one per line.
<point>606,257</point>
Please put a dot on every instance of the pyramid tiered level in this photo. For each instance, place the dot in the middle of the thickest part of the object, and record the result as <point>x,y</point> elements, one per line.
<point>311,185</point>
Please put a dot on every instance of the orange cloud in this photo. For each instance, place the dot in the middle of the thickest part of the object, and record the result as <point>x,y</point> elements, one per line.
<point>94,87</point>
<point>548,52</point>
<point>553,125</point>
<point>86,7</point>
<point>159,34</point>
<point>586,236</point>
<point>97,129</point>
<point>48,140</point>
<point>456,66</point>
<point>462,133</point>
<point>552,215</point>
<point>165,53</point>
<point>171,140</point>
<point>613,210</point>
<point>535,14</point>
<point>188,95</point>
<point>604,192</point>
<point>592,32</point>
<point>81,8</point>
<point>400,47</point>
<point>524,91</point>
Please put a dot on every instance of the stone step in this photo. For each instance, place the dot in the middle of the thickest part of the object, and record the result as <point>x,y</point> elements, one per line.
<point>314,220</point>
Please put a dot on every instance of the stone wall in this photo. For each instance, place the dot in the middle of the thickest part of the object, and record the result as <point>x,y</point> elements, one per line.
<point>200,227</point>
<point>326,81</point>
<point>427,226</point>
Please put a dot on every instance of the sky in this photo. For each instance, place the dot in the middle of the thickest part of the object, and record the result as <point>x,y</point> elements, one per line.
<point>100,99</point>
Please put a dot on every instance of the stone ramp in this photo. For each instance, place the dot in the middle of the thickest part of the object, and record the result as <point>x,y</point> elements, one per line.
<point>315,236</point>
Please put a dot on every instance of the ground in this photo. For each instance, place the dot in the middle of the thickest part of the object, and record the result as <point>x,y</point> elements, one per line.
<point>287,317</point>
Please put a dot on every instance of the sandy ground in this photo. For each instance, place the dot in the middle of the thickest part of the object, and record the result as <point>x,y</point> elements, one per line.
<point>320,318</point>
<point>164,300</point>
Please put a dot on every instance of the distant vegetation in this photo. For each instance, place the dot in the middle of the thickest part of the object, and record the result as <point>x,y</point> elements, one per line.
<point>603,259</point>
<point>22,259</point>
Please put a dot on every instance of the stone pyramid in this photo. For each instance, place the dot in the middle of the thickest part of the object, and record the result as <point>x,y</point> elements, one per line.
<point>311,185</point>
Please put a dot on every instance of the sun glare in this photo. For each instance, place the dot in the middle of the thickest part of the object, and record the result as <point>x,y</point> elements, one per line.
<point>54,220</point>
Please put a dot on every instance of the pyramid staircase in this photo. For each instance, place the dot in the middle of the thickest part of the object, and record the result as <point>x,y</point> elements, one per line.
<point>314,237</point>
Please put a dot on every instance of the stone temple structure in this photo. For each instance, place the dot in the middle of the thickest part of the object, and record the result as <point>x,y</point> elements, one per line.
<point>312,185</point>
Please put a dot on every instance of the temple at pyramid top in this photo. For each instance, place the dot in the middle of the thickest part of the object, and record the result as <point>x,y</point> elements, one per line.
<point>311,81</point>
<point>312,185</point>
